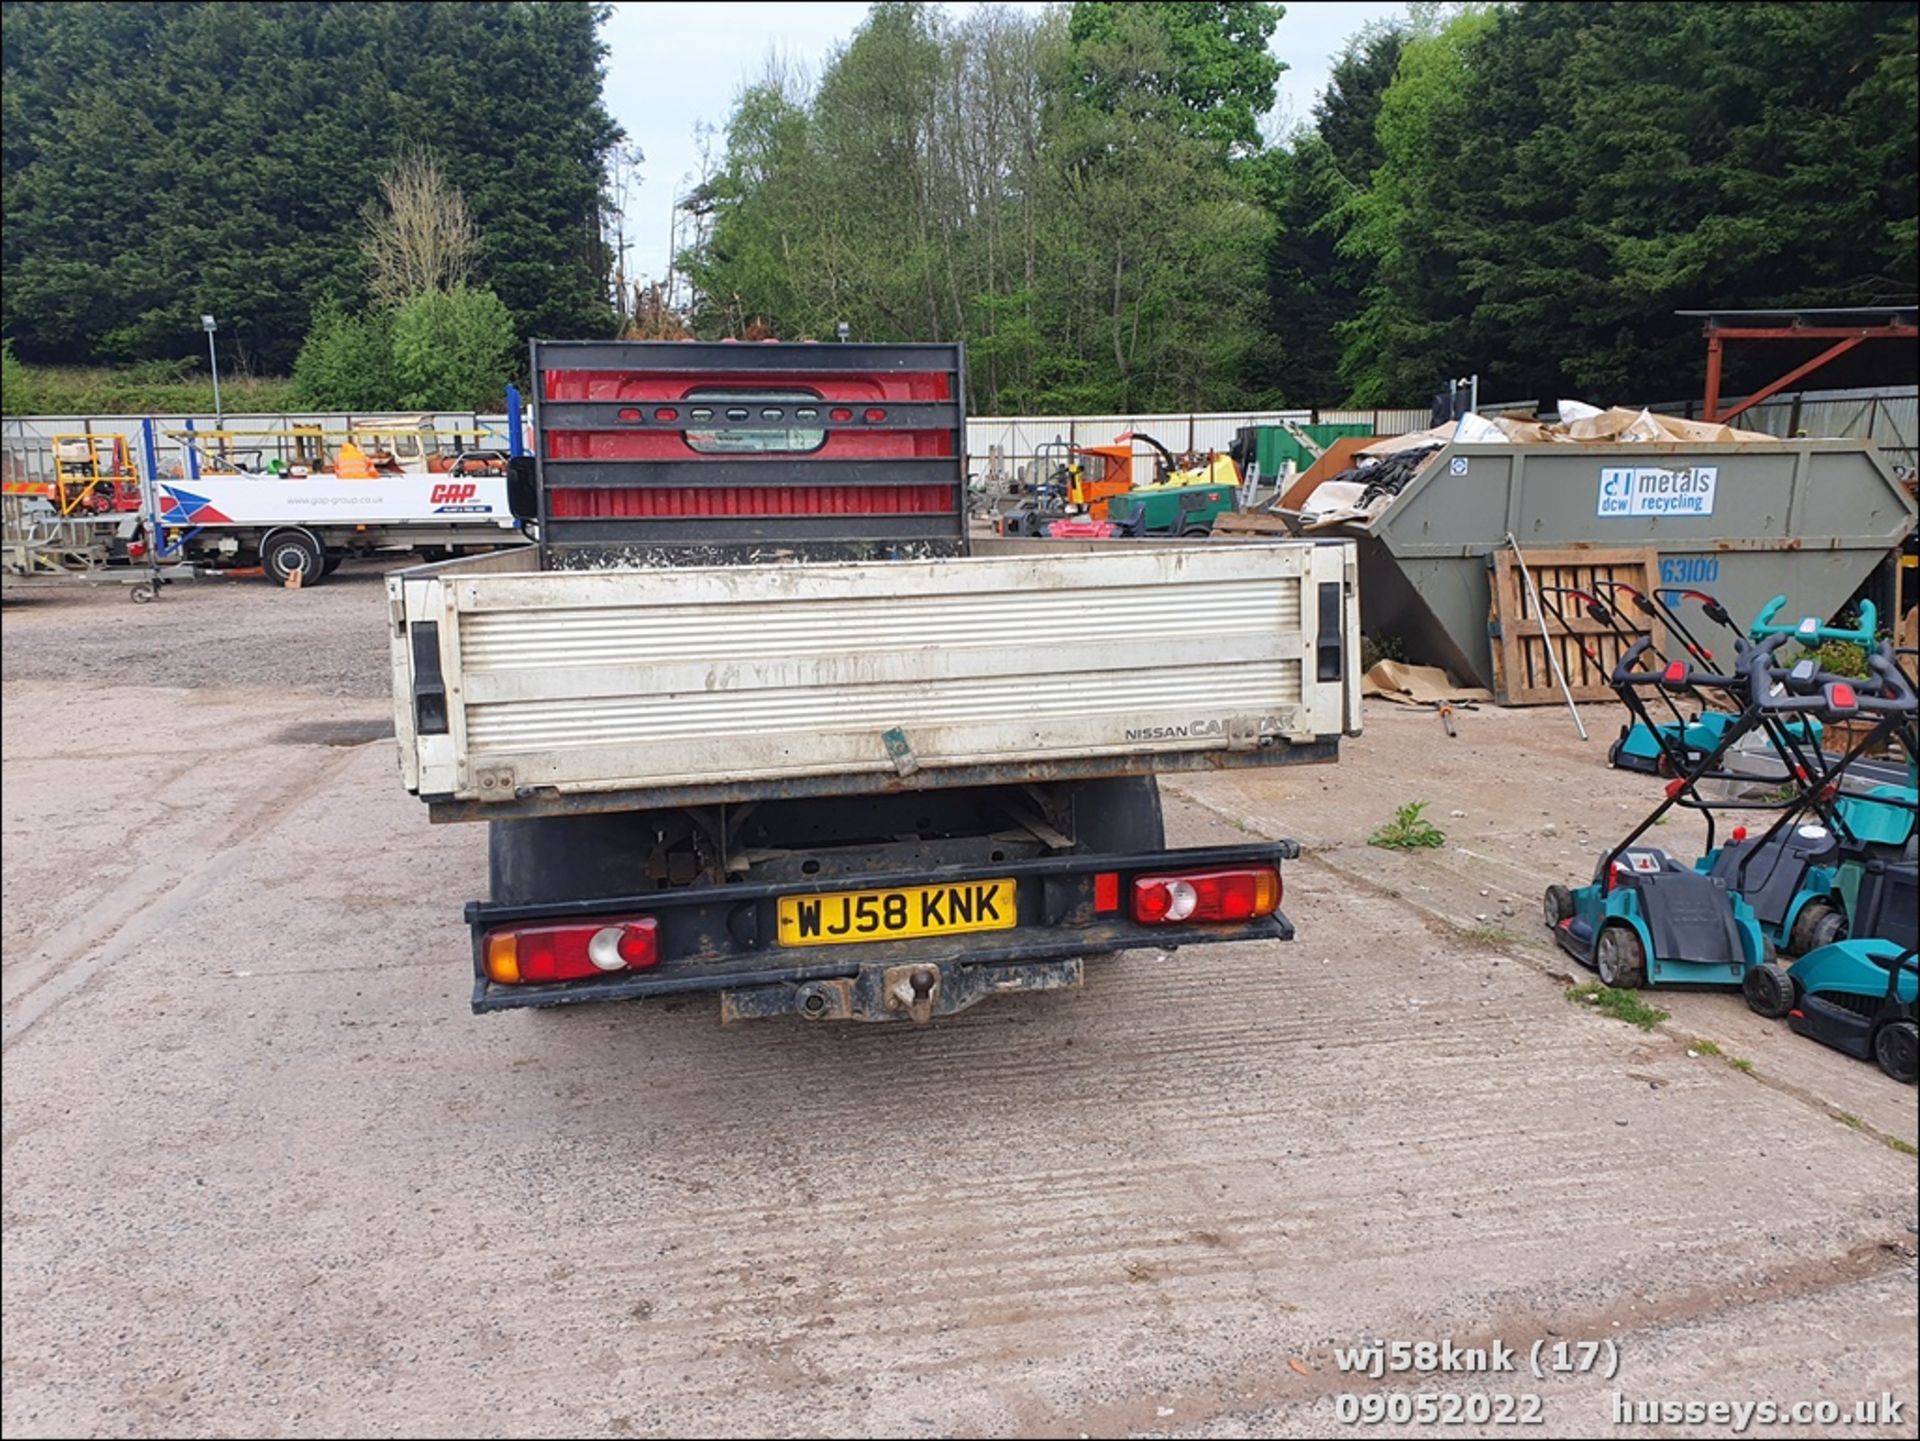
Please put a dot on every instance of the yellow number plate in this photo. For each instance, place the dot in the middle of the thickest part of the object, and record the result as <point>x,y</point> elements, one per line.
<point>840,917</point>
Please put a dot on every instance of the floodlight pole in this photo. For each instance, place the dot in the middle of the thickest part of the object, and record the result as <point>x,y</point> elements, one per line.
<point>213,359</point>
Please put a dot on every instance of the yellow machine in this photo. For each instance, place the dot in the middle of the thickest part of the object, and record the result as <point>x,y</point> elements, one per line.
<point>1219,468</point>
<point>93,473</point>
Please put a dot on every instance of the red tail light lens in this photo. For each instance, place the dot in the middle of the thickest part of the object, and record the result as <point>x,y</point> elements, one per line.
<point>526,955</point>
<point>1841,696</point>
<point>1676,673</point>
<point>1235,894</point>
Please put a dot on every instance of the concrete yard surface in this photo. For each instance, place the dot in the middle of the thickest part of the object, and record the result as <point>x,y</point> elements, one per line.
<point>265,1174</point>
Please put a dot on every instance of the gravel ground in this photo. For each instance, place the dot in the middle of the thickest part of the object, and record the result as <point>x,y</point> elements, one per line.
<point>266,1175</point>
<point>329,639</point>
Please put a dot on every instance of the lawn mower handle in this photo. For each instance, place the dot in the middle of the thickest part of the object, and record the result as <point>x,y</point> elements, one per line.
<point>1896,692</point>
<point>1627,674</point>
<point>1861,634</point>
<point>1890,696</point>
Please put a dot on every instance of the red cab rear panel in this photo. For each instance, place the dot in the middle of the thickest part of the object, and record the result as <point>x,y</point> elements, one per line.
<point>744,446</point>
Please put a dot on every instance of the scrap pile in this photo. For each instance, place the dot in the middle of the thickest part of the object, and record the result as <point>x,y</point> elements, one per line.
<point>1385,467</point>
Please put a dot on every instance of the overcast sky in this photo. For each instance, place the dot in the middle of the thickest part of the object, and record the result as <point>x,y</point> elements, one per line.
<point>673,66</point>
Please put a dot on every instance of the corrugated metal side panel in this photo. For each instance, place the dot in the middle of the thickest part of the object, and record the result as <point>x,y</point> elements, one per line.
<point>1890,422</point>
<point>1381,422</point>
<point>828,716</point>
<point>631,679</point>
<point>655,635</point>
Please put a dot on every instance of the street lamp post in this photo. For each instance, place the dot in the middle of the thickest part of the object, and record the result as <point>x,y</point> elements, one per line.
<point>213,359</point>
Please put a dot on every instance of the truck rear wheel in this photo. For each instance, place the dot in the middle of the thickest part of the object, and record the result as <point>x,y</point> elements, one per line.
<point>1118,813</point>
<point>283,552</point>
<point>568,858</point>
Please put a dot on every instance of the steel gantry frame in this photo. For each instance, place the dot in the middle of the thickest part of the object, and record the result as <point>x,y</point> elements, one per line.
<point>1846,328</point>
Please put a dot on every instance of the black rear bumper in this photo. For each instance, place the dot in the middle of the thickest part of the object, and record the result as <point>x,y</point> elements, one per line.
<point>724,938</point>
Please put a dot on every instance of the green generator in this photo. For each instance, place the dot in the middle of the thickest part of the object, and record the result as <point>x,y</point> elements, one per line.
<point>1171,510</point>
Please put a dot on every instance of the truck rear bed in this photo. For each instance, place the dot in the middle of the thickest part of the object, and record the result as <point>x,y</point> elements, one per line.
<point>523,692</point>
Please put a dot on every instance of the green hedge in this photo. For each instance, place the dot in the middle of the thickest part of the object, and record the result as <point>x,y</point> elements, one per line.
<point>151,389</point>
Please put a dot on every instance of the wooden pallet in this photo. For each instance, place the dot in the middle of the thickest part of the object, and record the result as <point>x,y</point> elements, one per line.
<point>1588,650</point>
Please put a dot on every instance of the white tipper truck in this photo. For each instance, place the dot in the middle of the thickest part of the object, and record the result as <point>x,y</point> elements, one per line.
<point>757,716</point>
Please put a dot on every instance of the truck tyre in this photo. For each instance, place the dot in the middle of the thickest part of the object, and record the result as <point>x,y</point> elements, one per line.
<point>335,559</point>
<point>293,548</point>
<point>568,858</point>
<point>1118,813</point>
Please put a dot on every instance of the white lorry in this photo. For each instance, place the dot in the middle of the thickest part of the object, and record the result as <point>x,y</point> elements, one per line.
<point>758,717</point>
<point>312,523</point>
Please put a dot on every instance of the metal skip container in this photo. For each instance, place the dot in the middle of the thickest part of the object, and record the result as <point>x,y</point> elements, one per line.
<point>1744,520</point>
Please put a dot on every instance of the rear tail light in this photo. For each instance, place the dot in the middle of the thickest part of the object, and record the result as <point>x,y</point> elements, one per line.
<point>528,955</point>
<point>1238,893</point>
<point>1677,673</point>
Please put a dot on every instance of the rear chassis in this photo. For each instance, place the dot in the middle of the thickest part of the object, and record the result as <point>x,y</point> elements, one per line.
<point>723,938</point>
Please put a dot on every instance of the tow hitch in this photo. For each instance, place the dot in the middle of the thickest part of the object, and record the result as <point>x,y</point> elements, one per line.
<point>916,992</point>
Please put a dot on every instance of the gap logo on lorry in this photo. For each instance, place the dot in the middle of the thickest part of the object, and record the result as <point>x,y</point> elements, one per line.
<point>1654,490</point>
<point>183,507</point>
<point>457,498</point>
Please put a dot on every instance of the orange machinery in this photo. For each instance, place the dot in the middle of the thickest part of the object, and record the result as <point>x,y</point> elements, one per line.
<point>1106,471</point>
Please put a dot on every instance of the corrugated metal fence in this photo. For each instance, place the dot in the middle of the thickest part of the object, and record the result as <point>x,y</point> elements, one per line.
<point>1889,416</point>
<point>1000,447</point>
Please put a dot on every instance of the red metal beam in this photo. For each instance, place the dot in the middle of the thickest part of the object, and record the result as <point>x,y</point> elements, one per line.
<point>1714,357</point>
<point>1813,332</point>
<point>1847,337</point>
<point>1832,352</point>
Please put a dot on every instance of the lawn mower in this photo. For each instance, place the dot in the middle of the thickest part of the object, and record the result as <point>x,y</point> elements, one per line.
<point>1878,884</point>
<point>1796,875</point>
<point>1640,747</point>
<point>1856,992</point>
<point>1855,996</point>
<point>1647,918</point>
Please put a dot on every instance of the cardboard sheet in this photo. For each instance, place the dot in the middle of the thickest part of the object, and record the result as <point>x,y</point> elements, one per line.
<point>1416,684</point>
